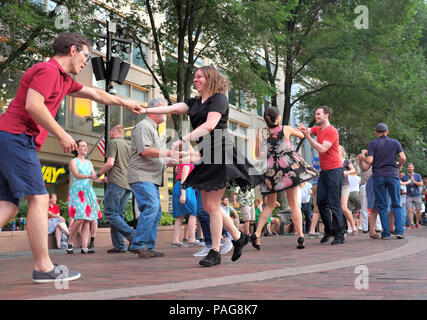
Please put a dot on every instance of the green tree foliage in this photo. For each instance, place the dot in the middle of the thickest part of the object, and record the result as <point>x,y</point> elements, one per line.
<point>374,75</point>
<point>28,31</point>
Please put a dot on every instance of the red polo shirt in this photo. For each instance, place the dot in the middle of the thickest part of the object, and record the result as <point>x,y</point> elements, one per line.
<point>331,159</point>
<point>53,83</point>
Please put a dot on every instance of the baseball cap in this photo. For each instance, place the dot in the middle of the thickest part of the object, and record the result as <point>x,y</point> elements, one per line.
<point>381,127</point>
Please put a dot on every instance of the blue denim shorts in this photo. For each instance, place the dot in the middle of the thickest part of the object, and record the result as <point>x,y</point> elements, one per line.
<point>20,169</point>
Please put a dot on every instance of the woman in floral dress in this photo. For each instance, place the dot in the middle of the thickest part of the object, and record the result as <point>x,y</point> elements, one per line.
<point>285,170</point>
<point>83,206</point>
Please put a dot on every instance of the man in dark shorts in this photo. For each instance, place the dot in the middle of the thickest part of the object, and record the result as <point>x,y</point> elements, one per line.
<point>23,130</point>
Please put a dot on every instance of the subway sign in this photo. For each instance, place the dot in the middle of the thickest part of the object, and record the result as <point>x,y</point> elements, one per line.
<point>51,174</point>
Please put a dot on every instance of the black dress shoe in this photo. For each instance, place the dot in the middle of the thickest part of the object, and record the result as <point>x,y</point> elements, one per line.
<point>238,246</point>
<point>338,240</point>
<point>253,238</point>
<point>325,238</point>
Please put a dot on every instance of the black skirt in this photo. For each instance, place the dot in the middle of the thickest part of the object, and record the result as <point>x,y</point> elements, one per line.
<point>222,165</point>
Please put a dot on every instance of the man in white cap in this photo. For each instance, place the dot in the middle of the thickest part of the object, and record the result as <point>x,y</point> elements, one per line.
<point>382,155</point>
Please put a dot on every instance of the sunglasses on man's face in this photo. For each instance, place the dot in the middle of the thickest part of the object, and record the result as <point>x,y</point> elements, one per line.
<point>86,54</point>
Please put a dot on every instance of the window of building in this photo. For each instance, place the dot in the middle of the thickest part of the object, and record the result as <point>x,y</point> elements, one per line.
<point>129,119</point>
<point>262,105</point>
<point>239,134</point>
<point>136,55</point>
<point>237,98</point>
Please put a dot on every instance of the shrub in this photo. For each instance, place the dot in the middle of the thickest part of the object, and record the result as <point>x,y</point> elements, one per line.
<point>167,219</point>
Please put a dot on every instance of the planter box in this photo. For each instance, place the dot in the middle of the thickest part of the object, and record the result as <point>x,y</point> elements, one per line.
<point>14,241</point>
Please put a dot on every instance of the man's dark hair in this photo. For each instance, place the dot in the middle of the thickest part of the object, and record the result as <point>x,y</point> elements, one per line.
<point>64,41</point>
<point>409,164</point>
<point>326,110</point>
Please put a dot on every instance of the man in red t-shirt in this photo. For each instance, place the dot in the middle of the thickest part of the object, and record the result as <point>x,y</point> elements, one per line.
<point>23,129</point>
<point>331,175</point>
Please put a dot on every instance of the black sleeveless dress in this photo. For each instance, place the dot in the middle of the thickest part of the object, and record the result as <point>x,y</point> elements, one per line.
<point>221,165</point>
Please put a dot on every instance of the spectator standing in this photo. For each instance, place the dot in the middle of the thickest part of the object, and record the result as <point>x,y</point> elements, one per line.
<point>118,190</point>
<point>413,182</point>
<point>316,215</point>
<point>246,206</point>
<point>348,168</point>
<point>83,205</point>
<point>306,194</point>
<point>405,217</point>
<point>184,203</point>
<point>331,177</point>
<point>382,154</point>
<point>354,197</point>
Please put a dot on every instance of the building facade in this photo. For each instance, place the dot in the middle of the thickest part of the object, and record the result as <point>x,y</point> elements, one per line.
<point>84,119</point>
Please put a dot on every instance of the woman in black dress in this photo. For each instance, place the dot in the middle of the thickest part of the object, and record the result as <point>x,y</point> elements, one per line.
<point>221,166</point>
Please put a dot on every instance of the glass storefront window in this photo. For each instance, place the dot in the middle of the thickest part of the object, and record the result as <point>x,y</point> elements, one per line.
<point>60,115</point>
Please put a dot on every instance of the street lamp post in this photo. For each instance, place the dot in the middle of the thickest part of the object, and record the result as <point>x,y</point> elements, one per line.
<point>115,69</point>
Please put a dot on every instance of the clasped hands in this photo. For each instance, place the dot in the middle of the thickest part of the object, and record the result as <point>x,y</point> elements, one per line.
<point>182,152</point>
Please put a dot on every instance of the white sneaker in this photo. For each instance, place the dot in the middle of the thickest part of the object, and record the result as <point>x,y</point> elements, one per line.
<point>204,252</point>
<point>228,245</point>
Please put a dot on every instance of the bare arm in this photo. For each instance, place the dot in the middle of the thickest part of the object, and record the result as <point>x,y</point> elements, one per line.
<point>402,160</point>
<point>210,124</point>
<point>107,166</point>
<point>155,153</point>
<point>36,108</point>
<point>74,170</point>
<point>321,148</point>
<point>179,108</point>
<point>289,131</point>
<point>351,171</point>
<point>364,165</point>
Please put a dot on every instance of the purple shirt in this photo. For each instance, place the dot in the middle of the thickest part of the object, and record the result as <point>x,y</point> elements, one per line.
<point>412,190</point>
<point>384,151</point>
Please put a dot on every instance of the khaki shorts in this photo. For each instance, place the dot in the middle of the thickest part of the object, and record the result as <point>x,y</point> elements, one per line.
<point>413,203</point>
<point>248,213</point>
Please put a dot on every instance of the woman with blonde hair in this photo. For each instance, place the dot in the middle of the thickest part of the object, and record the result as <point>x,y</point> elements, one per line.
<point>221,165</point>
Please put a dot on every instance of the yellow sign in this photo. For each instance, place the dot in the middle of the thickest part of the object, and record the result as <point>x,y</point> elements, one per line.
<point>51,174</point>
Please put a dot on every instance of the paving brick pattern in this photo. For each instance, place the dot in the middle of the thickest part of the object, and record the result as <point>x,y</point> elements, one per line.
<point>400,275</point>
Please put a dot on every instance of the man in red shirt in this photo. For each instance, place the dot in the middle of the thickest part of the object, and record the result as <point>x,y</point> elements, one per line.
<point>331,175</point>
<point>23,129</point>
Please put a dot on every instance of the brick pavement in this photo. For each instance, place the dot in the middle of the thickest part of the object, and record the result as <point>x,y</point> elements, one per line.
<point>279,271</point>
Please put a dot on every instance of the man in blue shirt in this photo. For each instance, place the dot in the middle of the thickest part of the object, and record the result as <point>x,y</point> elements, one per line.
<point>382,155</point>
<point>413,181</point>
